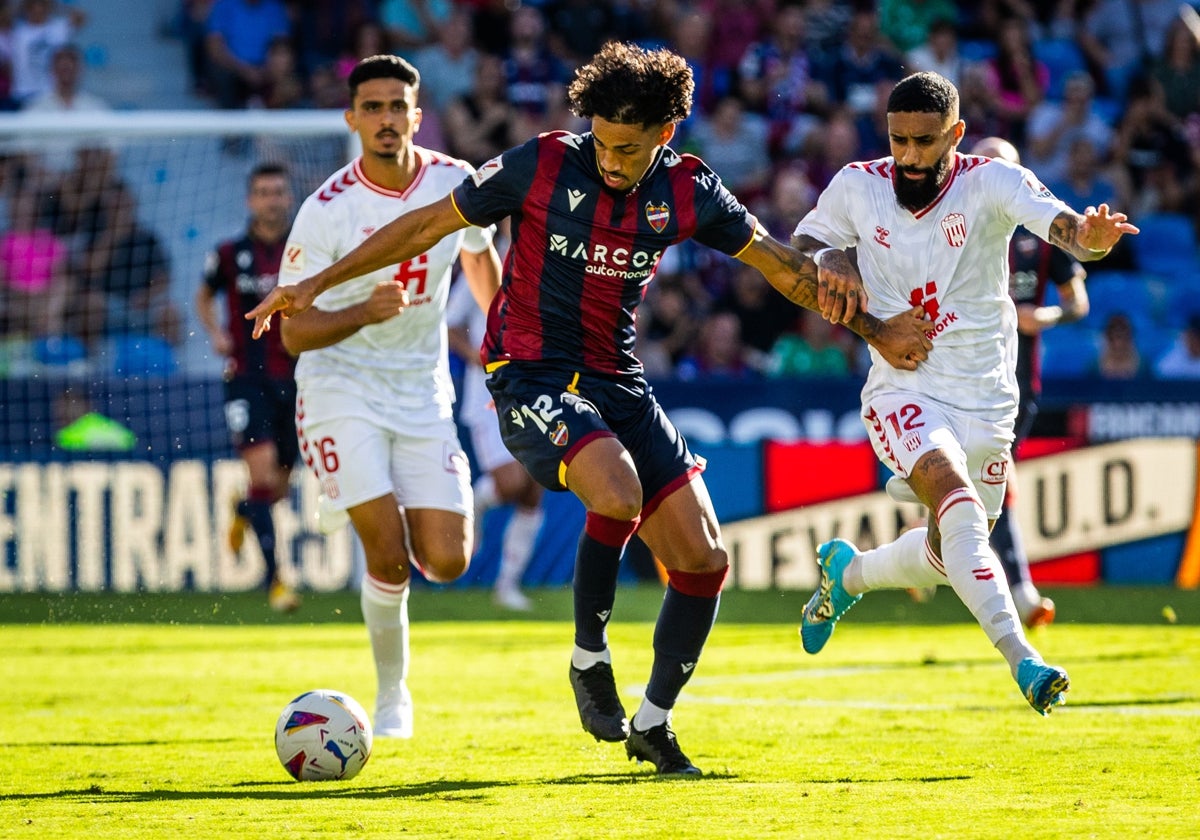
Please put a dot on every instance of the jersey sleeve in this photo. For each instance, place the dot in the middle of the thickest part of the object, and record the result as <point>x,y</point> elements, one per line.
<point>498,187</point>
<point>477,239</point>
<point>1026,200</point>
<point>459,304</point>
<point>722,222</point>
<point>831,220</point>
<point>311,245</point>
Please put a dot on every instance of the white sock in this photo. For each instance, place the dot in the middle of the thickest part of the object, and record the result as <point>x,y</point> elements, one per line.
<point>385,611</point>
<point>1014,647</point>
<point>517,548</point>
<point>973,568</point>
<point>906,562</point>
<point>649,716</point>
<point>584,659</point>
<point>484,490</point>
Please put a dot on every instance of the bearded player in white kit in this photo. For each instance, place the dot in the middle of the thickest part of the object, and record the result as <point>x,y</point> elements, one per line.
<point>932,228</point>
<point>374,394</point>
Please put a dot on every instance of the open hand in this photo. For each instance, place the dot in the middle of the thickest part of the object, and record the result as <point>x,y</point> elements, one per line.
<point>287,300</point>
<point>903,342</point>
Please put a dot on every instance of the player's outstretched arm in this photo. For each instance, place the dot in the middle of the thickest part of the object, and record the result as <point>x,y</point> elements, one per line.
<point>1090,235</point>
<point>901,339</point>
<point>400,239</point>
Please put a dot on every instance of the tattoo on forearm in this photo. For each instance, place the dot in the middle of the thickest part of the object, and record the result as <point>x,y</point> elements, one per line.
<point>1063,231</point>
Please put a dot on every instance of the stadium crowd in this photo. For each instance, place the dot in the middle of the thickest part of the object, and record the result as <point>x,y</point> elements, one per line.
<point>1102,97</point>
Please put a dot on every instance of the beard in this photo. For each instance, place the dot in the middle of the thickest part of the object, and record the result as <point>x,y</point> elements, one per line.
<point>917,195</point>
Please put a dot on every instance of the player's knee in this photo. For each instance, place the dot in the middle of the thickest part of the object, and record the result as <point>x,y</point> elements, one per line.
<point>445,568</point>
<point>619,498</point>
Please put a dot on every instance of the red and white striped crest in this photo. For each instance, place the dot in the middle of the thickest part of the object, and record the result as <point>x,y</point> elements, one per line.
<point>955,228</point>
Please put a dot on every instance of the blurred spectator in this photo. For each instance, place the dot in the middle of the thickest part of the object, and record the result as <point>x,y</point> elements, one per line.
<point>825,23</point>
<point>1016,79</point>
<point>448,67</point>
<point>762,317</point>
<point>1054,127</point>
<point>1119,357</point>
<point>65,97</point>
<point>1182,361</point>
<point>33,269</point>
<point>239,35</point>
<point>790,198</point>
<point>861,74</point>
<point>1178,70</point>
<point>939,53</point>
<point>691,37</point>
<point>828,150</point>
<point>412,24</point>
<point>7,102</point>
<point>41,28</point>
<point>325,30</point>
<point>1085,183</point>
<point>283,85</point>
<point>717,352</point>
<point>368,38</point>
<point>537,80</point>
<point>127,277</point>
<point>778,78</point>
<point>734,143</point>
<point>666,327</point>
<point>815,350</point>
<point>192,27</point>
<point>907,23</point>
<point>1122,37</point>
<point>737,26</point>
<point>77,205</point>
<point>1151,151</point>
<point>578,28</point>
<point>482,123</point>
<point>975,106</point>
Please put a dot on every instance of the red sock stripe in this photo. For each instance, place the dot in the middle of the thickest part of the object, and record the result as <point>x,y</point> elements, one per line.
<point>962,494</point>
<point>698,584</point>
<point>934,560</point>
<point>261,494</point>
<point>608,531</point>
<point>383,586</point>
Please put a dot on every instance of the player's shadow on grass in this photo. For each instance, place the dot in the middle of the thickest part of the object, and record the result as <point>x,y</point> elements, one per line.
<point>278,790</point>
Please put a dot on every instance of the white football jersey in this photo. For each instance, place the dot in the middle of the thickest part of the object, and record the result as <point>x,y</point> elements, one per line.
<point>401,362</point>
<point>951,258</point>
<point>463,311</point>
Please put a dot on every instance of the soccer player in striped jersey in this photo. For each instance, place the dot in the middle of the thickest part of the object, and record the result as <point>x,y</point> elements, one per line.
<point>591,215</point>
<point>260,391</point>
<point>932,228</point>
<point>374,405</point>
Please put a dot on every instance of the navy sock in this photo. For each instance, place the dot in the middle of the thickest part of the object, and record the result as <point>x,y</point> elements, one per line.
<point>1006,542</point>
<point>595,584</point>
<point>258,513</point>
<point>683,626</point>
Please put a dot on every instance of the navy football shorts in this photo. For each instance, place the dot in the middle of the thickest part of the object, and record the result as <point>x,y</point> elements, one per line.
<point>259,409</point>
<point>547,413</point>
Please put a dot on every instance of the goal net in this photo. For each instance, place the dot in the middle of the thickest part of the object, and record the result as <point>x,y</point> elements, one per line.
<point>146,510</point>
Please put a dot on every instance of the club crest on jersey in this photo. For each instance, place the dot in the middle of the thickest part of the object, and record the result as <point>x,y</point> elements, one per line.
<point>293,260</point>
<point>559,434</point>
<point>955,228</point>
<point>658,215</point>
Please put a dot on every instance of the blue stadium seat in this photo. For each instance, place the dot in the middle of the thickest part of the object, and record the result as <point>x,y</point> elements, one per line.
<point>141,355</point>
<point>1183,299</point>
<point>59,351</point>
<point>1119,291</point>
<point>1069,351</point>
<point>976,51</point>
<point>1062,58</point>
<point>1167,244</point>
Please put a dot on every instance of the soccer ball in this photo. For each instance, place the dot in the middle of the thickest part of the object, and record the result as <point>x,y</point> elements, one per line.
<point>323,734</point>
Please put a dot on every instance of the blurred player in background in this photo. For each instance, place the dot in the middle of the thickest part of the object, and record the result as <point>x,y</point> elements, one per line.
<point>1033,265</point>
<point>503,480</point>
<point>932,229</point>
<point>260,391</point>
<point>374,411</point>
<point>591,215</point>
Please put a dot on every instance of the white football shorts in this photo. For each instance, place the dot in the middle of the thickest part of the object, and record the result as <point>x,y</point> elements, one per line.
<point>902,426</point>
<point>359,455</point>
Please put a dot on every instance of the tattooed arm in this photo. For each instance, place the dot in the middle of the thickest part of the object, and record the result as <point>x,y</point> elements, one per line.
<point>1090,235</point>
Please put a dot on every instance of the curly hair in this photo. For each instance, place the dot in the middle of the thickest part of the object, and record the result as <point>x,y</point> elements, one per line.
<point>624,83</point>
<point>924,93</point>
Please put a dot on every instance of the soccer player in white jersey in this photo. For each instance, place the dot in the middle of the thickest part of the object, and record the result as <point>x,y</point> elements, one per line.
<point>374,394</point>
<point>932,228</point>
<point>503,479</point>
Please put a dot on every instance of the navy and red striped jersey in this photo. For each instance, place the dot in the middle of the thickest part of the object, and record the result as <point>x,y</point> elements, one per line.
<point>245,270</point>
<point>583,254</point>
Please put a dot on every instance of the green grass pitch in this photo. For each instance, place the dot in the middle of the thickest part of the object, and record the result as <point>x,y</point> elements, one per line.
<point>152,716</point>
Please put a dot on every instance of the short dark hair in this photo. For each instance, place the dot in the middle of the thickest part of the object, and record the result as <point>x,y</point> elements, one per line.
<point>382,67</point>
<point>624,83</point>
<point>924,93</point>
<point>265,170</point>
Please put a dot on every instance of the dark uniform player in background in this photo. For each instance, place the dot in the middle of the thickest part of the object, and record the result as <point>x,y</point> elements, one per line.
<point>1034,264</point>
<point>260,391</point>
<point>591,215</point>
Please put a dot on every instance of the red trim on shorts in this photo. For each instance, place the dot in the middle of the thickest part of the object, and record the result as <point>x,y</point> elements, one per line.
<point>697,584</point>
<point>572,451</point>
<point>608,531</point>
<point>649,507</point>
